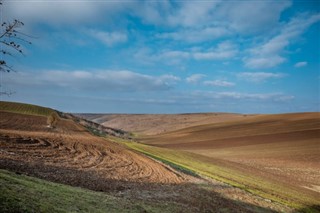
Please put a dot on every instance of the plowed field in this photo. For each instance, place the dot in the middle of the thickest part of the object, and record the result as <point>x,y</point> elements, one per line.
<point>152,124</point>
<point>280,149</point>
<point>70,154</point>
<point>27,138</point>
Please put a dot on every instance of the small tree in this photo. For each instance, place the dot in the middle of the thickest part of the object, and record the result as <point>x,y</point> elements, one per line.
<point>52,120</point>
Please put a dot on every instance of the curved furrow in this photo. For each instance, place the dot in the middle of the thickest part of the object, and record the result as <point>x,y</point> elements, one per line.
<point>27,138</point>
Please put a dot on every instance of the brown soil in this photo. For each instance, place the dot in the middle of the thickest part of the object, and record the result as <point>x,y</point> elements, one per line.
<point>151,124</point>
<point>280,148</point>
<point>69,154</point>
<point>27,138</point>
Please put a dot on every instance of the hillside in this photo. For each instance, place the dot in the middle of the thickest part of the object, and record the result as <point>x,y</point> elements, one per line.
<point>281,149</point>
<point>275,156</point>
<point>151,124</point>
<point>26,137</point>
<point>71,155</point>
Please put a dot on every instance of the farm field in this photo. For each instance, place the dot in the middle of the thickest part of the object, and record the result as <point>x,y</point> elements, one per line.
<point>275,156</point>
<point>151,124</point>
<point>125,179</point>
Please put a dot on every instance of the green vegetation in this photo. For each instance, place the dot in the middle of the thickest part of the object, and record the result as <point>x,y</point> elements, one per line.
<point>28,109</point>
<point>197,164</point>
<point>19,193</point>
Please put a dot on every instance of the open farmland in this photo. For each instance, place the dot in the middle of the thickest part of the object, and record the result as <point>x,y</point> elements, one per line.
<point>69,154</point>
<point>275,156</point>
<point>151,124</point>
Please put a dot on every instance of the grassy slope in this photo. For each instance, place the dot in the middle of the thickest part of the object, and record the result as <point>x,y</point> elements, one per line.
<point>28,109</point>
<point>198,164</point>
<point>19,193</point>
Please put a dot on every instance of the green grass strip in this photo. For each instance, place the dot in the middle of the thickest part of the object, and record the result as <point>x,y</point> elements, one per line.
<point>19,193</point>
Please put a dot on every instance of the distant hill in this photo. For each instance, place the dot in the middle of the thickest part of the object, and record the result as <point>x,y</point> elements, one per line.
<point>151,124</point>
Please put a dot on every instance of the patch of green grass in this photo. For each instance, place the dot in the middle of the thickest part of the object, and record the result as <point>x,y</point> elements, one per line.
<point>22,108</point>
<point>19,193</point>
<point>196,164</point>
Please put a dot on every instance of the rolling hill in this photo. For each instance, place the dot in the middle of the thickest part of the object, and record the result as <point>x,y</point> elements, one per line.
<point>152,124</point>
<point>121,178</point>
<point>275,156</point>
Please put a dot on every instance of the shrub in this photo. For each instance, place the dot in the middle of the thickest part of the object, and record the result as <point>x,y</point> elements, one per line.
<point>52,120</point>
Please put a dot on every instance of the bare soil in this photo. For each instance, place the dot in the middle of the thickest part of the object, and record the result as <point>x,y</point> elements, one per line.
<point>281,148</point>
<point>152,124</point>
<point>70,154</point>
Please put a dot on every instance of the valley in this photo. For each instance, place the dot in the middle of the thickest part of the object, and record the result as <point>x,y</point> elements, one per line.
<point>224,162</point>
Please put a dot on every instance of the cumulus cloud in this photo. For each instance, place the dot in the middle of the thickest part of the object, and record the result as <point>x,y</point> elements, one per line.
<point>195,78</point>
<point>259,76</point>
<point>249,17</point>
<point>268,54</point>
<point>108,80</point>
<point>215,16</point>
<point>184,13</point>
<point>219,83</point>
<point>301,64</point>
<point>192,13</point>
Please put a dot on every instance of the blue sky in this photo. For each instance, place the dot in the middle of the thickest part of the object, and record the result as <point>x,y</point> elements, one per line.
<point>167,56</point>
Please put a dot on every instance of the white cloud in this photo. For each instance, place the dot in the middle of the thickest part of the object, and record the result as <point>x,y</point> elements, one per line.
<point>301,64</point>
<point>219,83</point>
<point>108,80</point>
<point>154,12</point>
<point>191,13</point>
<point>280,97</point>
<point>269,53</point>
<point>260,76</point>
<point>224,50</point>
<point>183,13</point>
<point>249,17</point>
<point>63,12</point>
<point>195,78</point>
<point>109,38</point>
<point>264,61</point>
<point>240,16</point>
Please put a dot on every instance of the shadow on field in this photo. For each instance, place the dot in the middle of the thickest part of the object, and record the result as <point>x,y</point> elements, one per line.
<point>309,209</point>
<point>192,197</point>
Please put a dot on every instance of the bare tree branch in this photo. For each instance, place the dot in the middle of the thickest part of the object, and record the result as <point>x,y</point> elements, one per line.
<point>11,40</point>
